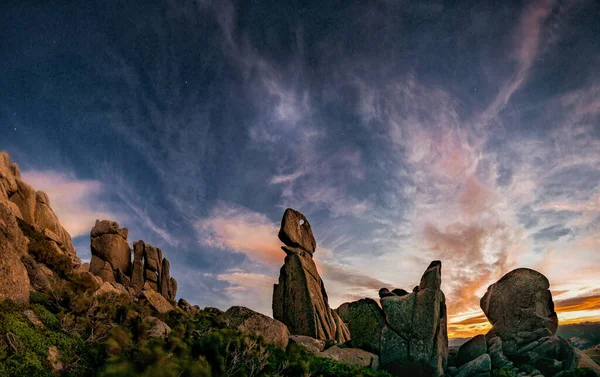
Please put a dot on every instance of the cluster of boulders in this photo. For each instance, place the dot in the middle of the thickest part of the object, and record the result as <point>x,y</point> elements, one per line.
<point>20,202</point>
<point>112,262</point>
<point>520,308</point>
<point>408,331</point>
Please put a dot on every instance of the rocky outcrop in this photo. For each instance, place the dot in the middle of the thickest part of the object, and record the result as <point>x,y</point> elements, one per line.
<point>158,329</point>
<point>300,300</point>
<point>366,321</point>
<point>416,333</point>
<point>14,280</point>
<point>470,350</point>
<point>33,207</point>
<point>311,345</point>
<point>521,310</point>
<point>520,302</point>
<point>249,321</point>
<point>111,261</point>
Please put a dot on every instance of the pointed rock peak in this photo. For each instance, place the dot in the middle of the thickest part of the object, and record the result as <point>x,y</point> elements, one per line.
<point>108,227</point>
<point>296,231</point>
<point>432,278</point>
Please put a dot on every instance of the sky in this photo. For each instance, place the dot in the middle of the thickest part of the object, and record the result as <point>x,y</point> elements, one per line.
<point>405,131</point>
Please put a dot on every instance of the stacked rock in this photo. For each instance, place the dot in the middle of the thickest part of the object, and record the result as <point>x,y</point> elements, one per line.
<point>300,300</point>
<point>111,261</point>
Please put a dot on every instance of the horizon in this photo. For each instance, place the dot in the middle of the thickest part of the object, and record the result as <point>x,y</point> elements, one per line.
<point>404,133</point>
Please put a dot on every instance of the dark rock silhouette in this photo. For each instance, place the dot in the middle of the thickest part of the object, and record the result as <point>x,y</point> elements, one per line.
<point>300,300</point>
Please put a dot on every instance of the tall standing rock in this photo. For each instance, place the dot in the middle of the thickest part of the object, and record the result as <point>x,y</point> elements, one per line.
<point>416,338</point>
<point>110,250</point>
<point>520,302</point>
<point>300,300</point>
<point>137,273</point>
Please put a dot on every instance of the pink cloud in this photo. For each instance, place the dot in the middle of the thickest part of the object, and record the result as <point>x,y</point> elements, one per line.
<point>75,201</point>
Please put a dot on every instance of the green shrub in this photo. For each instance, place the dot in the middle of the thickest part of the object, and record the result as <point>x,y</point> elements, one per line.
<point>503,372</point>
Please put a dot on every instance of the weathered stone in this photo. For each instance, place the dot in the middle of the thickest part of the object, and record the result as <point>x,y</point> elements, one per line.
<point>296,232</point>
<point>311,345</point>
<point>499,360</point>
<point>157,301</point>
<point>108,227</point>
<point>352,356</point>
<point>384,292</point>
<point>399,292</point>
<point>184,305</point>
<point>114,250</point>
<point>172,289</point>
<point>519,301</point>
<point>249,321</point>
<point>418,333</point>
<point>300,300</point>
<point>471,350</point>
<point>47,219</point>
<point>33,318</point>
<point>165,278</point>
<point>8,181</point>
<point>122,278</point>
<point>581,360</point>
<point>432,278</point>
<point>37,277</point>
<point>102,269</point>
<point>14,280</point>
<point>137,274</point>
<point>107,288</point>
<point>25,199</point>
<point>482,364</point>
<point>158,329</point>
<point>365,320</point>
<point>54,359</point>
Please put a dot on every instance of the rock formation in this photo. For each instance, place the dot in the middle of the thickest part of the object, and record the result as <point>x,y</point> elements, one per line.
<point>111,261</point>
<point>249,321</point>
<point>521,310</point>
<point>300,300</point>
<point>21,204</point>
<point>415,337</point>
<point>520,302</point>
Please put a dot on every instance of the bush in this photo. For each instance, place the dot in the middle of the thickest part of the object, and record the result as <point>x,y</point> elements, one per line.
<point>503,372</point>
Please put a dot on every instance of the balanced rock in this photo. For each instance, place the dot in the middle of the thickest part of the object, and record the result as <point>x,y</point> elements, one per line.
<point>416,338</point>
<point>249,321</point>
<point>296,231</point>
<point>110,251</point>
<point>300,300</point>
<point>519,302</point>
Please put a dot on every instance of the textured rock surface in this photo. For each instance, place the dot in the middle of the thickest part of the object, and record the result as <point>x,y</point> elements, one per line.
<point>471,350</point>
<point>519,302</point>
<point>249,321</point>
<point>310,345</point>
<point>158,329</point>
<point>416,333</point>
<point>351,356</point>
<point>365,320</point>
<point>296,231</point>
<point>110,247</point>
<point>300,300</point>
<point>14,280</point>
<point>157,301</point>
<point>482,364</point>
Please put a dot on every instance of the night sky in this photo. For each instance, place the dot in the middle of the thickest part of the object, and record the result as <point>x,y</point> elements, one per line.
<point>406,131</point>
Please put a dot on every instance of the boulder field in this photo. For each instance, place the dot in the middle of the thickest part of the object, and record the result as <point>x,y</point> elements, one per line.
<point>404,332</point>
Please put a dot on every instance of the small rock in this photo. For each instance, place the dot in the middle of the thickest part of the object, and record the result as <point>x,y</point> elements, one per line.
<point>482,364</point>
<point>33,318</point>
<point>157,301</point>
<point>311,345</point>
<point>352,356</point>
<point>158,329</point>
<point>471,350</point>
<point>54,359</point>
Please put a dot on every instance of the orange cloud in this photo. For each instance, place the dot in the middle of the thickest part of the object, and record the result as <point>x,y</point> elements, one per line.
<point>578,304</point>
<point>239,229</point>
